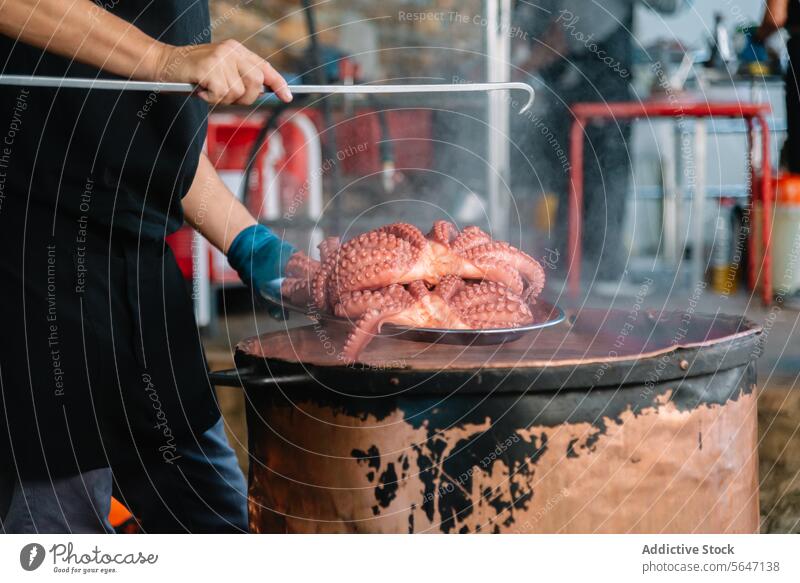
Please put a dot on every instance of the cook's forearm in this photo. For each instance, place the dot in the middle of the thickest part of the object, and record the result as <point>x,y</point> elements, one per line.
<point>212,209</point>
<point>775,15</point>
<point>82,30</point>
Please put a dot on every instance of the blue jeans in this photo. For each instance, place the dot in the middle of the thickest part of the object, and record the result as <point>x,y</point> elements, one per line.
<point>202,491</point>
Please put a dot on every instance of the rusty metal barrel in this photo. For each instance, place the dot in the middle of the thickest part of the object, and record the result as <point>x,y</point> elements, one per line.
<point>612,422</point>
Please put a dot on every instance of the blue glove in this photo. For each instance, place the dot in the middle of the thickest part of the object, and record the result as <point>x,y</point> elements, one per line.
<point>259,256</point>
<point>753,51</point>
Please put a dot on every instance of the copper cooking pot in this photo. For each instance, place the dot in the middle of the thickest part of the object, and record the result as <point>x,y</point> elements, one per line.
<point>612,422</point>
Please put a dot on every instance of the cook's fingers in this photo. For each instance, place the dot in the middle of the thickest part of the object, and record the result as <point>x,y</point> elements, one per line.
<point>215,90</point>
<point>276,82</point>
<point>253,80</point>
<point>236,87</point>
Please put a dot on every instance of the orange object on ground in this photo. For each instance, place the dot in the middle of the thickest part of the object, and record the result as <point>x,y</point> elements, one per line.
<point>788,189</point>
<point>785,236</point>
<point>121,518</point>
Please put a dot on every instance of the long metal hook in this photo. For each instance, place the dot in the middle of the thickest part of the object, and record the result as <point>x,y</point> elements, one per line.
<point>188,88</point>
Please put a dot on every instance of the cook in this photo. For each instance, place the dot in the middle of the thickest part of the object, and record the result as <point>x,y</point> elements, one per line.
<point>780,14</point>
<point>584,52</point>
<point>103,380</point>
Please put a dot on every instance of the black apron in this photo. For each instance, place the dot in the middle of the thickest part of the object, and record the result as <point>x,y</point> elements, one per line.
<point>99,352</point>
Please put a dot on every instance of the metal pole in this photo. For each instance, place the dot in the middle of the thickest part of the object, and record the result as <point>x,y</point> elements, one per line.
<point>575,218</point>
<point>755,193</point>
<point>699,201</point>
<point>766,210</point>
<point>498,52</point>
<point>670,140</point>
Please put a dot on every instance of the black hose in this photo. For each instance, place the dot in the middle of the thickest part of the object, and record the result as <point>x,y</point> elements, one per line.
<point>386,147</point>
<point>262,136</point>
<point>329,146</point>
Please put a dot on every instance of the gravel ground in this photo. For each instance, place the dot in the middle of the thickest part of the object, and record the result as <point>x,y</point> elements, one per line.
<point>779,459</point>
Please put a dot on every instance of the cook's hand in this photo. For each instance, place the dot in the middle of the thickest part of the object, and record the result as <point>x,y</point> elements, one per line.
<point>259,256</point>
<point>227,72</point>
<point>551,48</point>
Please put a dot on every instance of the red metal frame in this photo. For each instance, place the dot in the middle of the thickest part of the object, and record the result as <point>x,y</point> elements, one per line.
<point>753,113</point>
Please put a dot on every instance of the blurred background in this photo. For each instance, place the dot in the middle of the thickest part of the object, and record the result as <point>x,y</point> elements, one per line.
<point>342,165</point>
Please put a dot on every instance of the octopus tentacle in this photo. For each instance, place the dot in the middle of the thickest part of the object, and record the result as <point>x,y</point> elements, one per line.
<point>372,260</point>
<point>526,265</point>
<point>301,265</point>
<point>369,326</point>
<point>406,232</point>
<point>418,289</point>
<point>360,263</point>
<point>300,272</point>
<point>443,232</point>
<point>529,295</point>
<point>296,290</point>
<point>491,305</point>
<point>470,237</point>
<point>328,248</point>
<point>357,303</point>
<point>499,271</point>
<point>453,304</point>
<point>372,276</point>
<point>448,286</point>
<point>319,283</point>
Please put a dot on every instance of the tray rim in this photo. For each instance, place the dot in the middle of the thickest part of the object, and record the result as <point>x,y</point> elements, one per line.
<point>557,316</point>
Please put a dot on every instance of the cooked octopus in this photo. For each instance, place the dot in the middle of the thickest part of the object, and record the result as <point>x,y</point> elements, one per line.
<point>300,272</point>
<point>396,274</point>
<point>401,254</point>
<point>453,304</point>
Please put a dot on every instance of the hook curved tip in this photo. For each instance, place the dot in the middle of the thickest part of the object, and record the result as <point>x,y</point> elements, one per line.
<point>531,97</point>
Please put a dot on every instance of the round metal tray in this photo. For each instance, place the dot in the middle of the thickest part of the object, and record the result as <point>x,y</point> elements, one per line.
<point>545,315</point>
